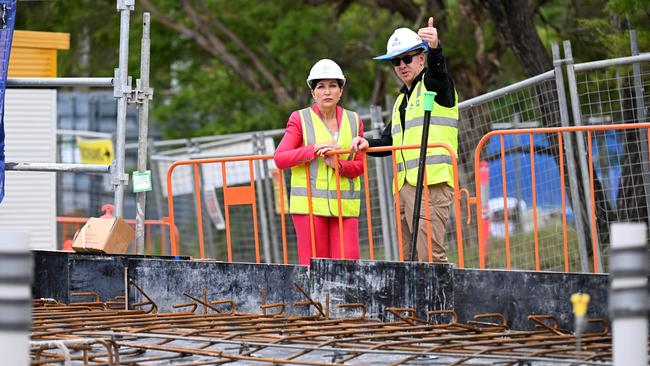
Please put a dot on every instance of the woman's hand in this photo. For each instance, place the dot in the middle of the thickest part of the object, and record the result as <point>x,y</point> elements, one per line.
<point>330,161</point>
<point>322,148</point>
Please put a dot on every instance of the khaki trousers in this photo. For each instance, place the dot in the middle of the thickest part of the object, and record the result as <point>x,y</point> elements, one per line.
<point>440,198</point>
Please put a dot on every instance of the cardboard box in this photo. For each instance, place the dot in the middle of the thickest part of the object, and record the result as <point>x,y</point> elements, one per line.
<point>103,235</point>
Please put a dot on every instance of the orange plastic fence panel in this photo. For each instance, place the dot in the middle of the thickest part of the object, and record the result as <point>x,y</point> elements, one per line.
<point>563,192</point>
<point>173,240</point>
<point>506,226</point>
<point>227,211</point>
<point>459,228</point>
<point>398,219</point>
<point>338,204</point>
<point>199,210</point>
<point>255,228</point>
<point>310,205</point>
<point>244,195</point>
<point>148,239</point>
<point>594,233</point>
<point>371,244</point>
<point>534,189</point>
<point>282,217</point>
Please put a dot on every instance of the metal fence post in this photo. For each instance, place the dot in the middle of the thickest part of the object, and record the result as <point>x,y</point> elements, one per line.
<point>582,147</point>
<point>570,158</point>
<point>388,234</point>
<point>142,99</point>
<point>258,149</point>
<point>270,205</point>
<point>121,91</point>
<point>641,118</point>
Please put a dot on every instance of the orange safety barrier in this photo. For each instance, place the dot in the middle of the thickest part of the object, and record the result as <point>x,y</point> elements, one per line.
<point>245,195</point>
<point>592,206</point>
<point>71,225</point>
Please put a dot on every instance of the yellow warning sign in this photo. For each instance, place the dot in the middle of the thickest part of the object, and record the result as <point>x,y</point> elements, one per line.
<point>98,151</point>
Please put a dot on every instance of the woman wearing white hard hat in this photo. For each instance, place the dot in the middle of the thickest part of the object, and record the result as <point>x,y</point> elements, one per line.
<point>418,61</point>
<point>311,133</point>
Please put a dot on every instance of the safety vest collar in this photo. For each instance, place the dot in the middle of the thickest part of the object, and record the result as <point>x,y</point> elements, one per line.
<point>307,115</point>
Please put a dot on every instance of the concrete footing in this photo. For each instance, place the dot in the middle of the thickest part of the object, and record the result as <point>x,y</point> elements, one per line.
<point>376,284</point>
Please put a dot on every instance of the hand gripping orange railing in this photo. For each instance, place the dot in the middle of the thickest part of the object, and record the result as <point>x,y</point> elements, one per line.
<point>246,196</point>
<point>68,222</point>
<point>531,132</point>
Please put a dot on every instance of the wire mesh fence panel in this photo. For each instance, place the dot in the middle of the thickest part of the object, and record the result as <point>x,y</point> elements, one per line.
<point>507,169</point>
<point>617,161</point>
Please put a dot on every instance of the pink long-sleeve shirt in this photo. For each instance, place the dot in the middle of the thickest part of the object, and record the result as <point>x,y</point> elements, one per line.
<point>292,151</point>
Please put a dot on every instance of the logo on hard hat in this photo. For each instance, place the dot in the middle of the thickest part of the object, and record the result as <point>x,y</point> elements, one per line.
<point>396,42</point>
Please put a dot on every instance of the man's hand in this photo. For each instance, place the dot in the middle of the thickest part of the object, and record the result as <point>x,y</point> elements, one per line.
<point>359,143</point>
<point>429,34</point>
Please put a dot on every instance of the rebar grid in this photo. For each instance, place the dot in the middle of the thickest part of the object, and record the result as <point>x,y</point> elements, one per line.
<point>95,334</point>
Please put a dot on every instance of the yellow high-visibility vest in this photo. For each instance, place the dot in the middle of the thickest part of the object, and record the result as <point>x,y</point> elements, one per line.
<point>443,129</point>
<point>321,177</point>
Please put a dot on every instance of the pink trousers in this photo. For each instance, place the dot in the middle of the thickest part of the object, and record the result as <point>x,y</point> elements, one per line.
<point>326,231</point>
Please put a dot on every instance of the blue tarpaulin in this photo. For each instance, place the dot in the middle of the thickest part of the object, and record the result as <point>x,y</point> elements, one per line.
<point>7,18</point>
<point>518,171</point>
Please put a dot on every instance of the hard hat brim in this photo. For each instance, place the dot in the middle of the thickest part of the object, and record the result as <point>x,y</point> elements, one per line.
<point>391,55</point>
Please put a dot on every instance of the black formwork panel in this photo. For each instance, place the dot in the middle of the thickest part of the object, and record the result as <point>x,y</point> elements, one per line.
<point>518,294</point>
<point>166,282</point>
<point>382,284</point>
<point>58,274</point>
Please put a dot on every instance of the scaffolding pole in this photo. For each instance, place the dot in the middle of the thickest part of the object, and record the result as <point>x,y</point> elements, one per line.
<point>90,82</point>
<point>121,91</point>
<point>142,96</point>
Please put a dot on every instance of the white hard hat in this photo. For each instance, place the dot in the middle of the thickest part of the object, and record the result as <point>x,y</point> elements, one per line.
<point>402,40</point>
<point>325,69</point>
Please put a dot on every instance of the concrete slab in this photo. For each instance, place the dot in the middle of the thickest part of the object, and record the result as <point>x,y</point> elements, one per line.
<point>517,294</point>
<point>382,284</point>
<point>165,281</point>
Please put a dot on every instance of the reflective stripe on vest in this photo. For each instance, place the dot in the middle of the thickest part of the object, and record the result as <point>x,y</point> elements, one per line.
<point>321,177</point>
<point>443,129</point>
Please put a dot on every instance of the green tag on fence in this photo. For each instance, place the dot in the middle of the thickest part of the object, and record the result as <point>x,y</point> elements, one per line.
<point>142,181</point>
<point>429,96</point>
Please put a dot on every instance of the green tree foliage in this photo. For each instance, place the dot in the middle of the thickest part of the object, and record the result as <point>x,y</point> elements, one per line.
<point>222,66</point>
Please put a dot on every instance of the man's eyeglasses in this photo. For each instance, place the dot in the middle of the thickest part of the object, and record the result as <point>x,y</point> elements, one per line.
<point>407,59</point>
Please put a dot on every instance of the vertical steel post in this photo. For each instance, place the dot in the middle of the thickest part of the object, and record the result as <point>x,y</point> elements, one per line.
<point>641,118</point>
<point>582,146</point>
<point>121,91</point>
<point>270,206</point>
<point>570,158</point>
<point>628,294</point>
<point>377,124</point>
<point>207,221</point>
<point>143,122</point>
<point>261,201</point>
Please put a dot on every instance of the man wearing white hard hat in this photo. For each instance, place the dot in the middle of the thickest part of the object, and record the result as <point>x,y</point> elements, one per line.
<point>419,63</point>
<point>310,133</point>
